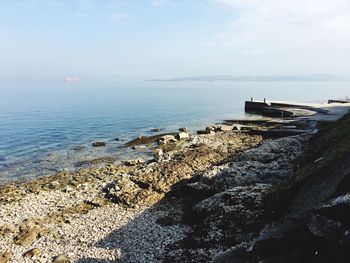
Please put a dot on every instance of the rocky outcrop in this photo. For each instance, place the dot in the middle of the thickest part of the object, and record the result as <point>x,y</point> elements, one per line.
<point>149,184</point>
<point>271,162</point>
<point>313,208</point>
<point>230,210</point>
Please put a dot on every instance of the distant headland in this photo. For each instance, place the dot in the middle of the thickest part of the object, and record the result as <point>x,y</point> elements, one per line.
<point>311,77</point>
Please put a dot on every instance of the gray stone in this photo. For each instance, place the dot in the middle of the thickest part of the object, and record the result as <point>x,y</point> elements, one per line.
<point>225,128</point>
<point>166,139</point>
<point>134,162</point>
<point>61,259</point>
<point>99,144</point>
<point>182,135</point>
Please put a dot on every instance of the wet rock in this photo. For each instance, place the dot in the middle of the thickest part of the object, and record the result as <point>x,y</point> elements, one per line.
<point>61,259</point>
<point>99,144</point>
<point>117,139</point>
<point>79,148</point>
<point>35,252</point>
<point>156,130</point>
<point>146,139</point>
<point>107,160</point>
<point>134,162</point>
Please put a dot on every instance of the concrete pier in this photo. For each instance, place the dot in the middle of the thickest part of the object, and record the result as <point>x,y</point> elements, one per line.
<point>330,111</point>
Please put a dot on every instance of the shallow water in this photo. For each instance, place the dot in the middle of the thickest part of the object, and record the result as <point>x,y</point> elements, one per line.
<point>41,122</point>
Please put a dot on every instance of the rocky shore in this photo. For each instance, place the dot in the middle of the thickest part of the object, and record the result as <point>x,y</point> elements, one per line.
<point>227,194</point>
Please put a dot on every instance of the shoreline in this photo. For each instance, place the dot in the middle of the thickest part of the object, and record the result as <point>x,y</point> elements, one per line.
<point>40,209</point>
<point>202,195</point>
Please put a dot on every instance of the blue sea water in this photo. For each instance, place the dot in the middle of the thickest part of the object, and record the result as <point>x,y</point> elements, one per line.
<point>49,125</point>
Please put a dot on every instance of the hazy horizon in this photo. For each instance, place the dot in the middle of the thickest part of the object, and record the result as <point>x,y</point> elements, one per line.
<point>168,38</point>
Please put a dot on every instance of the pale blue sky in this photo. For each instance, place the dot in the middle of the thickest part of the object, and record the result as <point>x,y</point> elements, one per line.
<point>173,38</point>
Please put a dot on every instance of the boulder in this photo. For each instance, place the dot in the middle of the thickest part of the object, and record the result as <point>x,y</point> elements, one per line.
<point>182,135</point>
<point>183,129</point>
<point>236,127</point>
<point>166,139</point>
<point>200,132</point>
<point>27,236</point>
<point>225,128</point>
<point>210,128</point>
<point>146,139</point>
<point>156,130</point>
<point>325,227</point>
<point>35,252</point>
<point>127,192</point>
<point>209,131</point>
<point>279,239</point>
<point>134,162</point>
<point>61,259</point>
<point>158,153</point>
<point>99,144</point>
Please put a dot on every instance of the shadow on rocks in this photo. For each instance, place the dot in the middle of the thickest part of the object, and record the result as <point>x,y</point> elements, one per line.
<point>211,212</point>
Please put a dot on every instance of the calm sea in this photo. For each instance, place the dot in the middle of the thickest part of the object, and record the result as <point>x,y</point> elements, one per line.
<point>48,126</point>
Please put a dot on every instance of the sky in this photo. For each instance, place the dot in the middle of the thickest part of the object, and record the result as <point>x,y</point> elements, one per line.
<point>173,38</point>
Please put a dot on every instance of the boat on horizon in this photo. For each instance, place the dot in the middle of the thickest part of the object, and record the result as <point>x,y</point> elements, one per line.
<point>69,79</point>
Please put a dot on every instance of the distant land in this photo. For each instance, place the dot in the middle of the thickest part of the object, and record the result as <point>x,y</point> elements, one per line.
<point>313,77</point>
